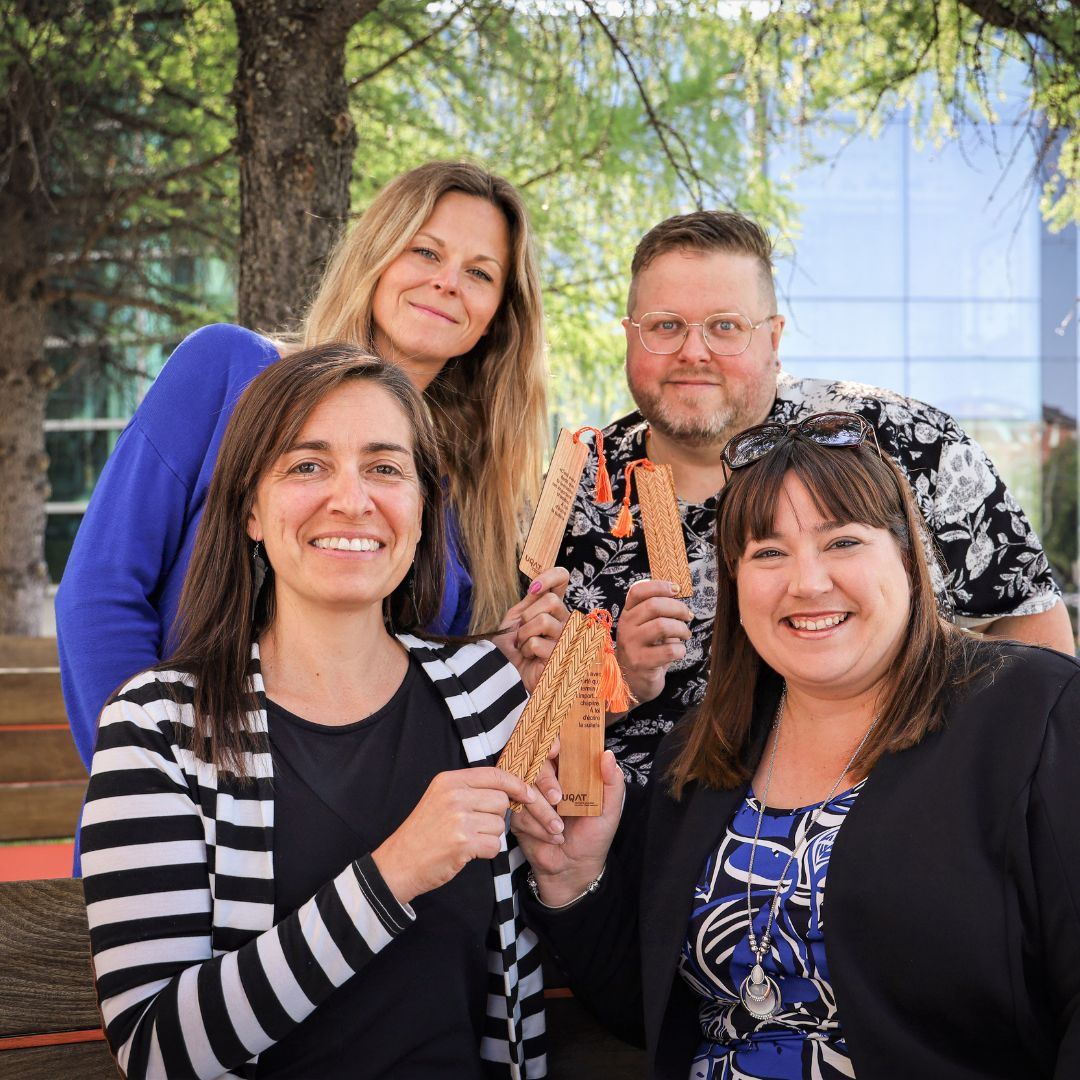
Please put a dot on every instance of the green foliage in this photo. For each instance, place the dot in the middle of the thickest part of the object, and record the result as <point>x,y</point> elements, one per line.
<point>124,111</point>
<point>1061,523</point>
<point>949,61</point>
<point>607,117</point>
<point>607,121</point>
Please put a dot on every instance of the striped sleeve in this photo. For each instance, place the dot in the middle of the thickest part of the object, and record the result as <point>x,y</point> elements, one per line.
<point>171,1007</point>
<point>514,1040</point>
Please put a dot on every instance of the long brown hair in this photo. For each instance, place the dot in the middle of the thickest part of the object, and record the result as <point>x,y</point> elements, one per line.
<point>847,485</point>
<point>215,623</point>
<point>490,405</point>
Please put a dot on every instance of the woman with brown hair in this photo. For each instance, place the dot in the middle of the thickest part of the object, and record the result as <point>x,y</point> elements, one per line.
<point>439,276</point>
<point>864,860</point>
<point>294,847</point>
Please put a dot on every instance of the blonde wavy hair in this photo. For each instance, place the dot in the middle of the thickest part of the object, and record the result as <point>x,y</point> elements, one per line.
<point>489,405</point>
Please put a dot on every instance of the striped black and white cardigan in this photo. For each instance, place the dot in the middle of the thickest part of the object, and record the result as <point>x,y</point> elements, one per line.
<point>193,976</point>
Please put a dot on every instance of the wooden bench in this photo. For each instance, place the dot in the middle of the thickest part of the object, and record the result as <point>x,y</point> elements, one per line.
<point>50,1026</point>
<point>42,778</point>
<point>49,1022</point>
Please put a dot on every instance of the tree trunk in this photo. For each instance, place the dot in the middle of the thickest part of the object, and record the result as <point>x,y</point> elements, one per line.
<point>296,142</point>
<point>25,376</point>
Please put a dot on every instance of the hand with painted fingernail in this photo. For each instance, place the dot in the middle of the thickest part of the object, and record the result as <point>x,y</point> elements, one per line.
<point>531,627</point>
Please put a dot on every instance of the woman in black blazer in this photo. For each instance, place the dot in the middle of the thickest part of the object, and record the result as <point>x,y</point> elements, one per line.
<point>862,854</point>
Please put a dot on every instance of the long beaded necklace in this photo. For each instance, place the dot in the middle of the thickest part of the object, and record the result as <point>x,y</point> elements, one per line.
<point>759,992</point>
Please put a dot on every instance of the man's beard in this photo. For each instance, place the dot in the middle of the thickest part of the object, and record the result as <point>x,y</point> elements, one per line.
<point>684,426</point>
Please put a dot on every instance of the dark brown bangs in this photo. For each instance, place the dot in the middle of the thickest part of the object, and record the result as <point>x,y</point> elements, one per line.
<point>850,484</point>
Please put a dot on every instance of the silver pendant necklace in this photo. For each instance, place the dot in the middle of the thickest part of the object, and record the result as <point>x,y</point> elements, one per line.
<point>760,993</point>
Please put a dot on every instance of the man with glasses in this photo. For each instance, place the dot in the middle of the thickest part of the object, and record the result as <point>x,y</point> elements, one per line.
<point>702,363</point>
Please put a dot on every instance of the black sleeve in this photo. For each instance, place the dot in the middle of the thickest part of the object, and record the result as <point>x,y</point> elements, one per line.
<point>595,941</point>
<point>1054,832</point>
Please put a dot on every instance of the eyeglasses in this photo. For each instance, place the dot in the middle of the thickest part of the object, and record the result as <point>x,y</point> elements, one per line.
<point>839,430</point>
<point>725,334</point>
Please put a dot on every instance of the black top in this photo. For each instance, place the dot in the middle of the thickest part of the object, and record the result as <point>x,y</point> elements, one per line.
<point>418,1008</point>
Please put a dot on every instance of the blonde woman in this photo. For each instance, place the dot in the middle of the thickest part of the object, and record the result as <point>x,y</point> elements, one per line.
<point>439,276</point>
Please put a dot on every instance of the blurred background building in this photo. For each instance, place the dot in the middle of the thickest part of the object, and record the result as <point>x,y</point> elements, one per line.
<point>928,270</point>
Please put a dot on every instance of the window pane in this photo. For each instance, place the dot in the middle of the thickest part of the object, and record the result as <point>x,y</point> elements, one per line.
<point>850,239</point>
<point>1002,329</point>
<point>847,329</point>
<point>974,219</point>
<point>76,458</point>
<point>60,532</point>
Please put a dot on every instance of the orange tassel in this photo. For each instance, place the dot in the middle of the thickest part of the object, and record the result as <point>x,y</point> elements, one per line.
<point>624,524</point>
<point>613,688</point>
<point>603,481</point>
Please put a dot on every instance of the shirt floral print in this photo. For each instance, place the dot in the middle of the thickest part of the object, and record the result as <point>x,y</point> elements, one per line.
<point>994,562</point>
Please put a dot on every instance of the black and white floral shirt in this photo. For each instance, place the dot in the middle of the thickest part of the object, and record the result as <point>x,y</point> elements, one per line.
<point>994,563</point>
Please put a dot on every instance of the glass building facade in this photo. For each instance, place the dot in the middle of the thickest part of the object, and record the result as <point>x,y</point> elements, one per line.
<point>927,270</point>
<point>100,383</point>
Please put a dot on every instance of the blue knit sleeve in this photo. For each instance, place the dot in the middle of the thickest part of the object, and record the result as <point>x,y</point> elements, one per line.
<point>118,595</point>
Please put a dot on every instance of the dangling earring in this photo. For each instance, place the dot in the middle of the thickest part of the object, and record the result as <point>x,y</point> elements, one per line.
<point>259,567</point>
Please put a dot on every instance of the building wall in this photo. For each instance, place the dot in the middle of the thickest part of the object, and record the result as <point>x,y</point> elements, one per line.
<point>927,270</point>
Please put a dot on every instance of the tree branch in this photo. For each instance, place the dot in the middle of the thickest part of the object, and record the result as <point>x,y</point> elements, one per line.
<point>419,43</point>
<point>694,190</point>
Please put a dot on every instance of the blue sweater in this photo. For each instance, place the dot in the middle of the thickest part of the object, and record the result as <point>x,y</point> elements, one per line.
<point>118,597</point>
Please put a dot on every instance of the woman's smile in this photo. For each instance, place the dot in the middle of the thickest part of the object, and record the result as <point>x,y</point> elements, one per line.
<point>816,623</point>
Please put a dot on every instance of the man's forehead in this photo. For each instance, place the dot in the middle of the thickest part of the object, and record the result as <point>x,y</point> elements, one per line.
<point>706,273</point>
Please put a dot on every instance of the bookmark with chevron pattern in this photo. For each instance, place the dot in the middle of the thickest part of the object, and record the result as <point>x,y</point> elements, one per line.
<point>579,648</point>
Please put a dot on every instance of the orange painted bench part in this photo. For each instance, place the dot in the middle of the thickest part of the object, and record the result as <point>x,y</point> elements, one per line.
<point>30,862</point>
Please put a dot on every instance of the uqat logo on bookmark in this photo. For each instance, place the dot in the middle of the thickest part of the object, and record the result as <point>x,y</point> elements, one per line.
<point>581,743</point>
<point>557,499</point>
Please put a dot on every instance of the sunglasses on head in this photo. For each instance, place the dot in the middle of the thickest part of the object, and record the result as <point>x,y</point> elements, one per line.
<point>832,429</point>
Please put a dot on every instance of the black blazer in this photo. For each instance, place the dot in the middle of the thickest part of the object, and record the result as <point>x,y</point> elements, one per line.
<point>953,897</point>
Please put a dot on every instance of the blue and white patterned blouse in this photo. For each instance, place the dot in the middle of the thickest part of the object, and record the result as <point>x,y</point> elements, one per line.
<point>803,1041</point>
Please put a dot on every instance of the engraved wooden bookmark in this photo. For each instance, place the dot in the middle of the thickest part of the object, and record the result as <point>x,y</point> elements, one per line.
<point>664,539</point>
<point>580,645</point>
<point>557,499</point>
<point>659,506</point>
<point>580,747</point>
<point>582,736</point>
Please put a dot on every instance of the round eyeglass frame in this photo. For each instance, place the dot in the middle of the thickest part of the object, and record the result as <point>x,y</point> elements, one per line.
<point>701,325</point>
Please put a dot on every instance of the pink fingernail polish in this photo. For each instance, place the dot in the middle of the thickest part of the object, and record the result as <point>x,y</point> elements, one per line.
<point>536,586</point>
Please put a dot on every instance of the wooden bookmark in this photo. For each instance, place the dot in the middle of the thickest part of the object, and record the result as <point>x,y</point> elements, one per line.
<point>557,498</point>
<point>664,538</point>
<point>579,648</point>
<point>580,748</point>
